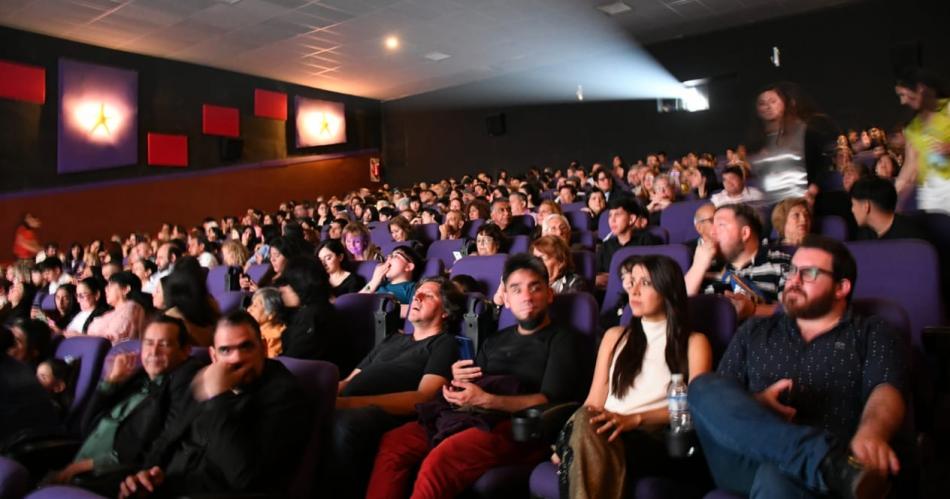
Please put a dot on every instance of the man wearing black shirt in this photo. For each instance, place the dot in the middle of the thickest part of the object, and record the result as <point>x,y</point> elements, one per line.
<point>501,216</point>
<point>627,219</point>
<point>793,390</point>
<point>873,201</point>
<point>535,355</point>
<point>383,390</point>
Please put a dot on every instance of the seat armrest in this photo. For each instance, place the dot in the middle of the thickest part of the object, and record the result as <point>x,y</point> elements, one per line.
<point>541,422</point>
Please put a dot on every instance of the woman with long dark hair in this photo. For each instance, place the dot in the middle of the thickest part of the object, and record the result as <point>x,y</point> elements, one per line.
<point>90,295</point>
<point>185,296</point>
<point>126,321</point>
<point>311,332</point>
<point>617,432</point>
<point>927,148</point>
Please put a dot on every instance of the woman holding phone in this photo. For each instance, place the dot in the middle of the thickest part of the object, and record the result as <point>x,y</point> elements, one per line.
<point>618,430</point>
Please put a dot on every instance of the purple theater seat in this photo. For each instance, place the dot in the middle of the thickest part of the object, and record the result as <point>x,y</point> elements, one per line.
<point>612,296</point>
<point>433,268</point>
<point>603,227</point>
<point>387,247</point>
<point>832,226</point>
<point>319,382</point>
<point>214,281</point>
<point>14,479</point>
<point>584,238</point>
<point>585,264</point>
<point>256,272</point>
<point>229,301</point>
<point>578,310</point>
<point>128,346</point>
<point>889,310</point>
<point>90,351</point>
<point>525,220</point>
<point>470,229</point>
<point>579,220</point>
<point>427,233</point>
<point>906,272</point>
<point>712,315</point>
<point>504,481</point>
<point>62,492</point>
<point>576,206</point>
<point>677,219</point>
<point>723,494</point>
<point>365,269</point>
<point>48,303</point>
<point>445,251</point>
<point>543,481</point>
<point>380,234</point>
<point>485,269</point>
<point>519,244</point>
<point>358,312</point>
<point>659,232</point>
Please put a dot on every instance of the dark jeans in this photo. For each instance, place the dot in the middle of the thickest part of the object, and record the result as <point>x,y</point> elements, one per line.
<point>355,439</point>
<point>750,449</point>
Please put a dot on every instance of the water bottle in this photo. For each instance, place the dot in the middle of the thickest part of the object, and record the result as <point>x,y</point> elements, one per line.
<point>679,407</point>
<point>679,438</point>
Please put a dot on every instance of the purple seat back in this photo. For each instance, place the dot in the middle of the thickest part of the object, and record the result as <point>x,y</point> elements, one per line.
<point>584,238</point>
<point>524,220</point>
<point>318,379</point>
<point>585,264</point>
<point>128,346</point>
<point>723,494</point>
<point>427,233</point>
<point>470,229</point>
<point>229,301</point>
<point>579,220</point>
<point>433,268</point>
<point>543,482</point>
<point>358,312</point>
<point>889,310</point>
<point>256,272</point>
<point>214,281</point>
<point>578,310</point>
<point>906,272</point>
<point>576,206</point>
<point>48,303</point>
<point>504,481</point>
<point>444,251</point>
<point>365,269</point>
<point>712,315</point>
<point>518,244</point>
<point>485,269</point>
<point>62,492</point>
<point>677,219</point>
<point>832,226</point>
<point>612,296</point>
<point>387,247</point>
<point>603,227</point>
<point>14,479</point>
<point>380,234</point>
<point>659,232</point>
<point>90,352</point>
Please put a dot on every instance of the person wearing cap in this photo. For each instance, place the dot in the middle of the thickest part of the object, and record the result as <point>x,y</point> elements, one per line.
<point>397,275</point>
<point>627,220</point>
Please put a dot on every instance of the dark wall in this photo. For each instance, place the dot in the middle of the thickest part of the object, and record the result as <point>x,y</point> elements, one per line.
<point>170,98</point>
<point>843,58</point>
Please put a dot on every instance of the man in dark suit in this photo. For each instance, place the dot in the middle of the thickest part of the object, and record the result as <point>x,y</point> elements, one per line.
<point>246,431</point>
<point>132,406</point>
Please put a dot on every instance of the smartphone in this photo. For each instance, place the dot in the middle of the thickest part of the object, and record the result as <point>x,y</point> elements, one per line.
<point>466,348</point>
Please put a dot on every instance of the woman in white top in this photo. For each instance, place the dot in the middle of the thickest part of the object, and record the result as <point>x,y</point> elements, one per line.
<point>616,436</point>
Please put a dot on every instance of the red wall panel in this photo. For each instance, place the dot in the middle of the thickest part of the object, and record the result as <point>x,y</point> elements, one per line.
<point>269,104</point>
<point>167,150</point>
<point>220,120</point>
<point>22,82</point>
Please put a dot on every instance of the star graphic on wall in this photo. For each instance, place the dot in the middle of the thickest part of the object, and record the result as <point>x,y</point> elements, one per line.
<point>324,125</point>
<point>102,120</point>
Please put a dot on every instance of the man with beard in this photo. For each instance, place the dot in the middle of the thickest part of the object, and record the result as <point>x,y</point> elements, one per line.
<point>532,363</point>
<point>244,433</point>
<point>807,403</point>
<point>747,272</point>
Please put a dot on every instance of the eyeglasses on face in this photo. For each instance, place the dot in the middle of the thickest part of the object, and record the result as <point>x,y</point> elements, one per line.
<point>808,274</point>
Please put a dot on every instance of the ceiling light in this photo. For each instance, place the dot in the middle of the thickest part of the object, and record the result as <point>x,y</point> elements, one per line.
<point>392,43</point>
<point>580,92</point>
<point>612,9</point>
<point>436,56</point>
<point>231,2</point>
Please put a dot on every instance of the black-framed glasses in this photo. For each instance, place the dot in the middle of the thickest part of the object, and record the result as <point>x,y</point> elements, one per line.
<point>808,274</point>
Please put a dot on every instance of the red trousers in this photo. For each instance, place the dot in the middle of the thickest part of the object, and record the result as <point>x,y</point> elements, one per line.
<point>449,468</point>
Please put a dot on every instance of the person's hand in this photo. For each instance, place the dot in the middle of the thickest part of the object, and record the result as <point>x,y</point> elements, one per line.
<point>874,453</point>
<point>217,379</point>
<point>769,398</point>
<point>123,367</point>
<point>600,280</point>
<point>66,474</point>
<point>613,423</point>
<point>743,304</point>
<point>380,271</point>
<point>247,284</point>
<point>443,231</point>
<point>36,313</point>
<point>142,483</point>
<point>705,254</point>
<point>466,371</point>
<point>464,393</point>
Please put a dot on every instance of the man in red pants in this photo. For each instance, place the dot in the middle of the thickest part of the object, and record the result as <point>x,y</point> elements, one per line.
<point>541,356</point>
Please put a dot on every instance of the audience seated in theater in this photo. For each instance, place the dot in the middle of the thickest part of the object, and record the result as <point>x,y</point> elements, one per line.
<point>557,226</point>
<point>166,256</point>
<point>57,378</point>
<point>336,229</point>
<point>267,308</point>
<point>53,275</point>
<point>556,255</point>
<point>20,295</point>
<point>478,209</point>
<point>245,432</point>
<point>501,217</point>
<point>519,204</point>
<point>566,194</point>
<point>400,230</point>
<point>184,295</point>
<point>873,202</point>
<point>618,432</point>
<point>532,363</point>
<point>703,223</point>
<point>144,269</point>
<point>132,405</point>
<point>383,391</point>
<point>489,240</point>
<point>604,181</point>
<point>664,193</point>
<point>808,402</point>
<point>739,266</point>
<point>887,167</point>
<point>127,318</point>
<point>547,208</point>
<point>397,275</point>
<point>90,295</point>
<point>596,204</point>
<point>200,248</point>
<point>452,227</point>
<point>26,409</point>
<point>31,342</point>
<point>791,219</point>
<point>312,331</point>
<point>627,220</point>
<point>65,310</point>
<point>735,189</point>
<point>356,240</point>
<point>333,257</point>
<point>702,182</point>
<point>234,254</point>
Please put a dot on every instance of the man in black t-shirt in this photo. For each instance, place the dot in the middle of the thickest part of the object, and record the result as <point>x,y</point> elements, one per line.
<point>539,358</point>
<point>627,220</point>
<point>873,201</point>
<point>382,391</point>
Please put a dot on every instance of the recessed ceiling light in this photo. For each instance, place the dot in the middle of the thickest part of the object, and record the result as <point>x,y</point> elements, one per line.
<point>392,43</point>
<point>231,2</point>
<point>612,9</point>
<point>436,56</point>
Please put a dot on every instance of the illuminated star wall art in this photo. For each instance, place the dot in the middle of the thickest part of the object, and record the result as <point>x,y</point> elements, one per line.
<point>98,110</point>
<point>319,122</point>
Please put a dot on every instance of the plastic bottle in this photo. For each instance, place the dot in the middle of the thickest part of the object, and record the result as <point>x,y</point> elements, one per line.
<point>680,421</point>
